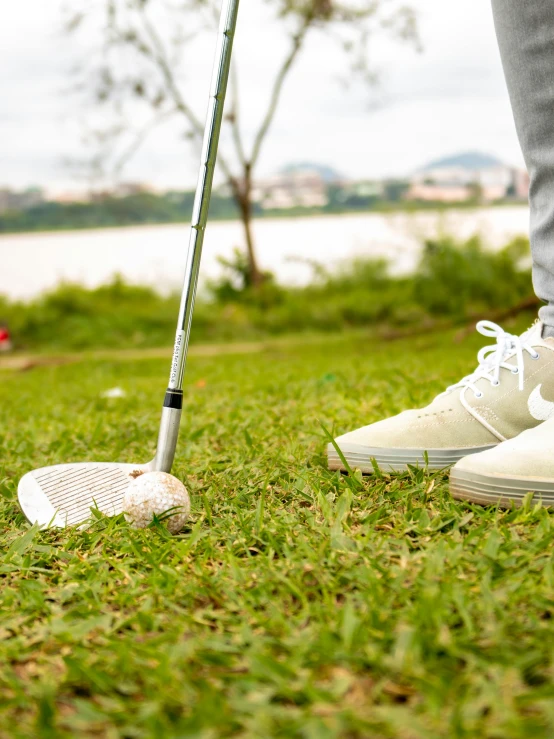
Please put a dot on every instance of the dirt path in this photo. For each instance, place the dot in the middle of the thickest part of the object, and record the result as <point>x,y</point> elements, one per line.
<point>21,362</point>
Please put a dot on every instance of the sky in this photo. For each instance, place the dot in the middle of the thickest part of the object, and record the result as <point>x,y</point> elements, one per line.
<point>447,99</point>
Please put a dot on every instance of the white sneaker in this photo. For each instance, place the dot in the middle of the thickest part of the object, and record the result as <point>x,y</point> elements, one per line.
<point>508,472</point>
<point>511,390</point>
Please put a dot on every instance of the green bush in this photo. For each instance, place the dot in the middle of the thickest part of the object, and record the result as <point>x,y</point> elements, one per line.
<point>73,317</point>
<point>457,280</point>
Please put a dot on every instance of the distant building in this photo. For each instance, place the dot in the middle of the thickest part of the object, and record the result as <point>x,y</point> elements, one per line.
<point>126,189</point>
<point>71,196</point>
<point>304,189</point>
<point>519,186</point>
<point>5,199</point>
<point>468,176</point>
<point>440,193</point>
<point>20,199</point>
<point>122,190</point>
<point>364,189</point>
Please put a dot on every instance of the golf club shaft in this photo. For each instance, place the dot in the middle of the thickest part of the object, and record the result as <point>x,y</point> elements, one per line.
<point>171,413</point>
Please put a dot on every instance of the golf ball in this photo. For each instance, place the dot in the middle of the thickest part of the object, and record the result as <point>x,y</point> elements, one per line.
<point>155,493</point>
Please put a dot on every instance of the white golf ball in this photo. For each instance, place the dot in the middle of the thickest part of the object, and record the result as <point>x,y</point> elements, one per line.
<point>154,493</point>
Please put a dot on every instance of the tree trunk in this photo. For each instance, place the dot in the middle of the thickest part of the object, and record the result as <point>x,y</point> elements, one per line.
<point>244,201</point>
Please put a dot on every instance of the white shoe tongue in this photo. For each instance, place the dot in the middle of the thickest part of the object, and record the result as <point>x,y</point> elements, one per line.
<point>533,333</point>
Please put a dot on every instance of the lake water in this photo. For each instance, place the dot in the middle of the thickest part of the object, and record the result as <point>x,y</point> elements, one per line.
<point>154,255</point>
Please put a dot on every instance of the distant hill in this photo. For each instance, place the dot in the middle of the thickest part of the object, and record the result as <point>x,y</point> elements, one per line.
<point>328,174</point>
<point>465,160</point>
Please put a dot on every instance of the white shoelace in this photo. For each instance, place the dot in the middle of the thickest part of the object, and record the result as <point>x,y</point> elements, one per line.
<point>492,358</point>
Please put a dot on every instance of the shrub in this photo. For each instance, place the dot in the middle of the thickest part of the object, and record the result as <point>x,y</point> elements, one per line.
<point>458,280</point>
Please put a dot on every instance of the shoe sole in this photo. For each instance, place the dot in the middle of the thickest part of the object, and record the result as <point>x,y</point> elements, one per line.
<point>396,460</point>
<point>497,490</point>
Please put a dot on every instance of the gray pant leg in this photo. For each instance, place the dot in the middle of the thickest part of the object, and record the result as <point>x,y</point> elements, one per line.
<point>525,32</point>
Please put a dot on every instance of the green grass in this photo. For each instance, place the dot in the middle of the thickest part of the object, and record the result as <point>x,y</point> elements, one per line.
<point>299,602</point>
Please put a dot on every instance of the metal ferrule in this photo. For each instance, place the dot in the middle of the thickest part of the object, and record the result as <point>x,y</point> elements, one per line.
<point>167,439</point>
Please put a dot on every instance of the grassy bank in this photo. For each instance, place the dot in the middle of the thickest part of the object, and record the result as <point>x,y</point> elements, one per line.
<point>298,602</point>
<point>453,283</point>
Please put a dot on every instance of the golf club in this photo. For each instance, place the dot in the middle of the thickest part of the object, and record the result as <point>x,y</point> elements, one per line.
<point>63,494</point>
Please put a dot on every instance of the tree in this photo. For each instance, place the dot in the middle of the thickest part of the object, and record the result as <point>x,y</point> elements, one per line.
<point>135,74</point>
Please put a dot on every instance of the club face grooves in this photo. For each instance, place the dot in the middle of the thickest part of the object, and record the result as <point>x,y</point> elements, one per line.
<point>63,495</point>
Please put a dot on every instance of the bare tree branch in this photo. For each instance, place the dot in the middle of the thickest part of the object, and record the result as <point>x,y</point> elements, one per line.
<point>297,42</point>
<point>233,117</point>
<point>140,137</point>
<point>161,59</point>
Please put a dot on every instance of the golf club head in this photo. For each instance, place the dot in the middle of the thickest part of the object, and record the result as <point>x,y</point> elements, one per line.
<point>63,494</point>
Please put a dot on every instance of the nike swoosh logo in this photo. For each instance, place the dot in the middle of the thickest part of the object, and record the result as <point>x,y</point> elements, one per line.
<point>539,408</point>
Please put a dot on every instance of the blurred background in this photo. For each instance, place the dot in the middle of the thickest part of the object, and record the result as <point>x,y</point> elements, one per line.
<point>369,174</point>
